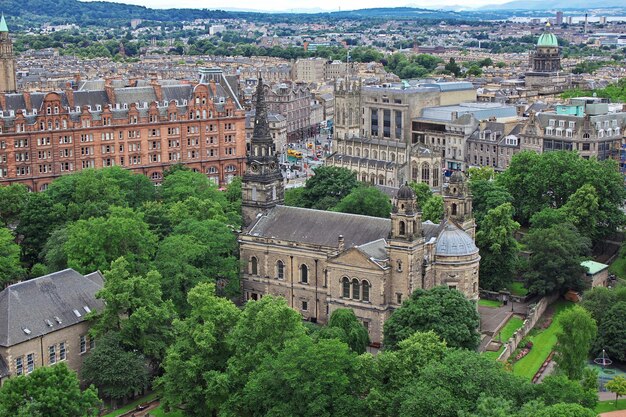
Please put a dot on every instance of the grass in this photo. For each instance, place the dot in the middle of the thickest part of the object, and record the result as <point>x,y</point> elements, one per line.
<point>543,343</point>
<point>618,267</point>
<point>506,332</point>
<point>131,406</point>
<point>489,303</point>
<point>517,288</point>
<point>607,406</point>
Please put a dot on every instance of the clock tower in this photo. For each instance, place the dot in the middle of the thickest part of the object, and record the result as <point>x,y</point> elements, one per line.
<point>262,185</point>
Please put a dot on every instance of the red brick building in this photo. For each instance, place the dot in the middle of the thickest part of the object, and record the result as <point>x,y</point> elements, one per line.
<point>145,126</point>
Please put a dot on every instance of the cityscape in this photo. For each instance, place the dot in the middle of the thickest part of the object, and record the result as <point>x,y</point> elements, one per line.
<point>311,210</point>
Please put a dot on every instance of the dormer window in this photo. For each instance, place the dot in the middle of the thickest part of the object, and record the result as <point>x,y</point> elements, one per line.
<point>77,313</point>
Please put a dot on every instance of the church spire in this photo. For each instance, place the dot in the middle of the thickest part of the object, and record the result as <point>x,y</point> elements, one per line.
<point>3,24</point>
<point>261,125</point>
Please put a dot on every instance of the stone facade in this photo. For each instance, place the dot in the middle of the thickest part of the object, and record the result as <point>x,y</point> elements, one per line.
<point>7,60</point>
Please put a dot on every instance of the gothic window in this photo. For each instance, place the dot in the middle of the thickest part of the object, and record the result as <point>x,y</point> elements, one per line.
<point>366,153</point>
<point>356,286</point>
<point>425,173</point>
<point>435,177</point>
<point>254,267</point>
<point>365,291</point>
<point>374,155</point>
<point>280,269</point>
<point>345,287</point>
<point>304,274</point>
<point>381,180</point>
<point>383,155</point>
<point>414,172</point>
<point>402,229</point>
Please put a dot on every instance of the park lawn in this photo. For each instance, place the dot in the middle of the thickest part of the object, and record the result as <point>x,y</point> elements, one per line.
<point>618,267</point>
<point>489,303</point>
<point>607,406</point>
<point>131,406</point>
<point>543,344</point>
<point>506,332</point>
<point>517,288</point>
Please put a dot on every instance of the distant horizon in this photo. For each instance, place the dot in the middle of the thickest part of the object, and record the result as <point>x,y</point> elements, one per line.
<point>302,5</point>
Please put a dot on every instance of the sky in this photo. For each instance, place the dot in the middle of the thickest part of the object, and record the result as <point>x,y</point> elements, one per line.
<point>289,5</point>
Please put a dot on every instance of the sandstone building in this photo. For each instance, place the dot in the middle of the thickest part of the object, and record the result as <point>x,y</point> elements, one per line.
<point>42,321</point>
<point>7,60</point>
<point>321,261</point>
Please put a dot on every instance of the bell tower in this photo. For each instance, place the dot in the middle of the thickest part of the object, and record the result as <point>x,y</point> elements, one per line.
<point>458,203</point>
<point>262,185</point>
<point>405,246</point>
<point>7,60</point>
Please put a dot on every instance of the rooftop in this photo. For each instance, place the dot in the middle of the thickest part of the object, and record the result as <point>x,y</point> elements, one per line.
<point>594,267</point>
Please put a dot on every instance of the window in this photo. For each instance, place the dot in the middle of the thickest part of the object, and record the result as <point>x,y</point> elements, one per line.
<point>345,285</point>
<point>83,344</point>
<point>30,362</point>
<point>402,228</point>
<point>304,274</point>
<point>62,352</point>
<point>52,355</point>
<point>19,365</point>
<point>356,289</point>
<point>280,270</point>
<point>365,291</point>
<point>399,298</point>
<point>254,267</point>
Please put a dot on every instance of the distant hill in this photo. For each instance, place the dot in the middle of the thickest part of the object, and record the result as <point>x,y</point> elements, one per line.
<point>555,4</point>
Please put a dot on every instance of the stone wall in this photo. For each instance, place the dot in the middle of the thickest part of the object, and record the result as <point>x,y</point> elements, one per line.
<point>534,313</point>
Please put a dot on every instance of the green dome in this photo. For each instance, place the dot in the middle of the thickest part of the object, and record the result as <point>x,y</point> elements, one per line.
<point>548,39</point>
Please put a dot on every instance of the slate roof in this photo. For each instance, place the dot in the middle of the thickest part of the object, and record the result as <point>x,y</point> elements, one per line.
<point>376,250</point>
<point>318,227</point>
<point>455,242</point>
<point>39,304</point>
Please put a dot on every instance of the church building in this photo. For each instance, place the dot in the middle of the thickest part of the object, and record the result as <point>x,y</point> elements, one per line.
<point>320,261</point>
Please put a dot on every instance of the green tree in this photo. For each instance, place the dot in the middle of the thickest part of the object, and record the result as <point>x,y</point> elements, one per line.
<point>198,251</point>
<point>583,210</point>
<point>483,173</point>
<point>556,254</point>
<point>453,67</point>
<point>181,184</point>
<point>423,193</point>
<point>433,209</point>
<point>117,372</point>
<point>328,186</point>
<point>12,201</point>
<point>54,250</point>
<point>487,195</point>
<point>617,386</point>
<point>48,391</point>
<point>574,340</point>
<point>566,410</point>
<point>304,379</point>
<point>445,311</point>
<point>560,389</point>
<point>612,332</point>
<point>345,326</point>
<point>368,201</point>
<point>195,362</point>
<point>134,308</point>
<point>94,243</point>
<point>498,247</point>
<point>10,268</point>
<point>597,299</point>
<point>294,197</point>
<point>547,218</point>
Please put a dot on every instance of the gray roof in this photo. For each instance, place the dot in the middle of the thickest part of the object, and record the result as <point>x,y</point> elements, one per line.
<point>318,227</point>
<point>376,250</point>
<point>481,111</point>
<point>455,242</point>
<point>33,308</point>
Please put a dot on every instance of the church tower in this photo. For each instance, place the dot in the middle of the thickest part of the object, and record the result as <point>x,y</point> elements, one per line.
<point>458,203</point>
<point>7,60</point>
<point>262,185</point>
<point>347,110</point>
<point>405,246</point>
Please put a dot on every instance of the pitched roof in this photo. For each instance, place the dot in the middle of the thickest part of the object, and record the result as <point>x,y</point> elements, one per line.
<point>318,227</point>
<point>3,24</point>
<point>46,304</point>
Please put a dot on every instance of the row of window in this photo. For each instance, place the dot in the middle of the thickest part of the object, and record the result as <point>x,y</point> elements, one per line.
<point>56,353</point>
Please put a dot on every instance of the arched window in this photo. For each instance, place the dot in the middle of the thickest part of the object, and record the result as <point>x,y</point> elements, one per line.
<point>374,155</point>
<point>345,287</point>
<point>365,292</point>
<point>280,270</point>
<point>381,180</point>
<point>435,177</point>
<point>383,155</point>
<point>356,285</point>
<point>366,153</point>
<point>357,151</point>
<point>454,210</point>
<point>425,172</point>
<point>364,177</point>
<point>402,228</point>
<point>304,274</point>
<point>254,267</point>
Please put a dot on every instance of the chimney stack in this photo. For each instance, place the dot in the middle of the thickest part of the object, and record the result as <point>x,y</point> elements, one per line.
<point>341,244</point>
<point>110,92</point>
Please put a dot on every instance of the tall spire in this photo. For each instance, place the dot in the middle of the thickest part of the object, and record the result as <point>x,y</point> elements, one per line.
<point>3,24</point>
<point>261,126</point>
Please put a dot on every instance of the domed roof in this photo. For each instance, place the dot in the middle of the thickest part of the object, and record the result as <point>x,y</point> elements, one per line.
<point>405,192</point>
<point>548,39</point>
<point>457,176</point>
<point>453,241</point>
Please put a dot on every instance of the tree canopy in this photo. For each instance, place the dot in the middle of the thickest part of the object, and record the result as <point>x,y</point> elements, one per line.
<point>368,201</point>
